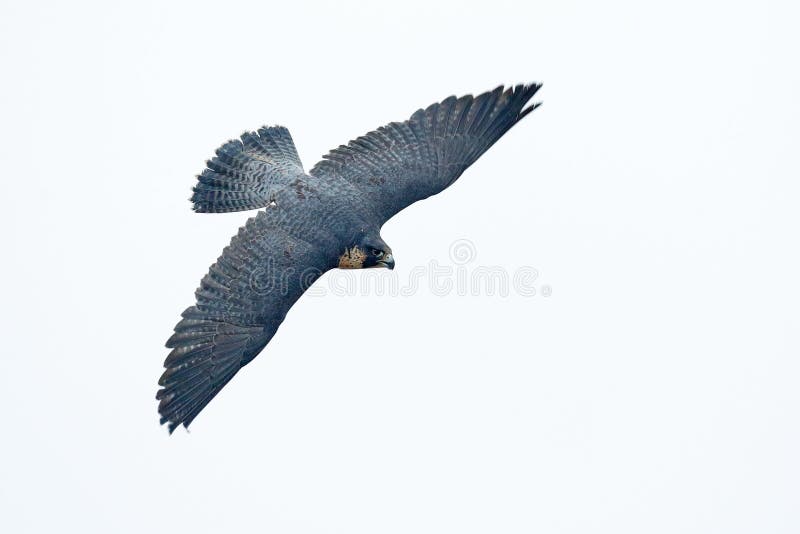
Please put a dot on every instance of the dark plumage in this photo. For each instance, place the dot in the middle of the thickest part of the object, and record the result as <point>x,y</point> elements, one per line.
<point>328,218</point>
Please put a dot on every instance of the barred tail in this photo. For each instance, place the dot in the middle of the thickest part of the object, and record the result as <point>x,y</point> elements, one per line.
<point>246,172</point>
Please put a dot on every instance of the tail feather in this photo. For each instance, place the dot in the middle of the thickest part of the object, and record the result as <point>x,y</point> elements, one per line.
<point>246,172</point>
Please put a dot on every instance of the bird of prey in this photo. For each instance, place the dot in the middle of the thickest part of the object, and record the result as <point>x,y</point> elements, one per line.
<point>311,222</point>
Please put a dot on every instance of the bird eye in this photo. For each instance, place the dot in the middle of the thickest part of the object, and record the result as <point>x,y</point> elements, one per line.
<point>376,252</point>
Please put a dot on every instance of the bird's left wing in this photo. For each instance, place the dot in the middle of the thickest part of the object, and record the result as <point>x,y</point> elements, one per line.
<point>403,162</point>
<point>240,304</point>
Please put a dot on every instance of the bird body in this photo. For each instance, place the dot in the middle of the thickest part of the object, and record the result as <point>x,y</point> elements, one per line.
<point>311,222</point>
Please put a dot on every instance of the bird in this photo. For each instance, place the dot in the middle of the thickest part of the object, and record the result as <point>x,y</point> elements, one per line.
<point>310,223</point>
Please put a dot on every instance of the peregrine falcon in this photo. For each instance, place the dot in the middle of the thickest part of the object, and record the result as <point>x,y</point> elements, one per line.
<point>310,223</point>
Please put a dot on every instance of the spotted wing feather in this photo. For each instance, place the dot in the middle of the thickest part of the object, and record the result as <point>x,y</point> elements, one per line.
<point>403,162</point>
<point>239,306</point>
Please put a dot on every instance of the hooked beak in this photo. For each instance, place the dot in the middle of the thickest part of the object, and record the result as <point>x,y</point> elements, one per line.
<point>387,261</point>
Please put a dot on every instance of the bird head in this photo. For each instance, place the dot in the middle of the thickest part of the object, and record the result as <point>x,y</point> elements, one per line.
<point>368,251</point>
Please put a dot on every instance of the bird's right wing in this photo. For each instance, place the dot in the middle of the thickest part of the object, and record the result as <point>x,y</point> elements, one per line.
<point>240,304</point>
<point>403,162</point>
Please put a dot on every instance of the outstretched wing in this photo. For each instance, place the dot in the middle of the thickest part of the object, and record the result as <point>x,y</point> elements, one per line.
<point>403,162</point>
<point>240,304</point>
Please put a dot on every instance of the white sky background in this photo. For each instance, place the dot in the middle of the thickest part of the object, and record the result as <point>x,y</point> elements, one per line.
<point>655,191</point>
